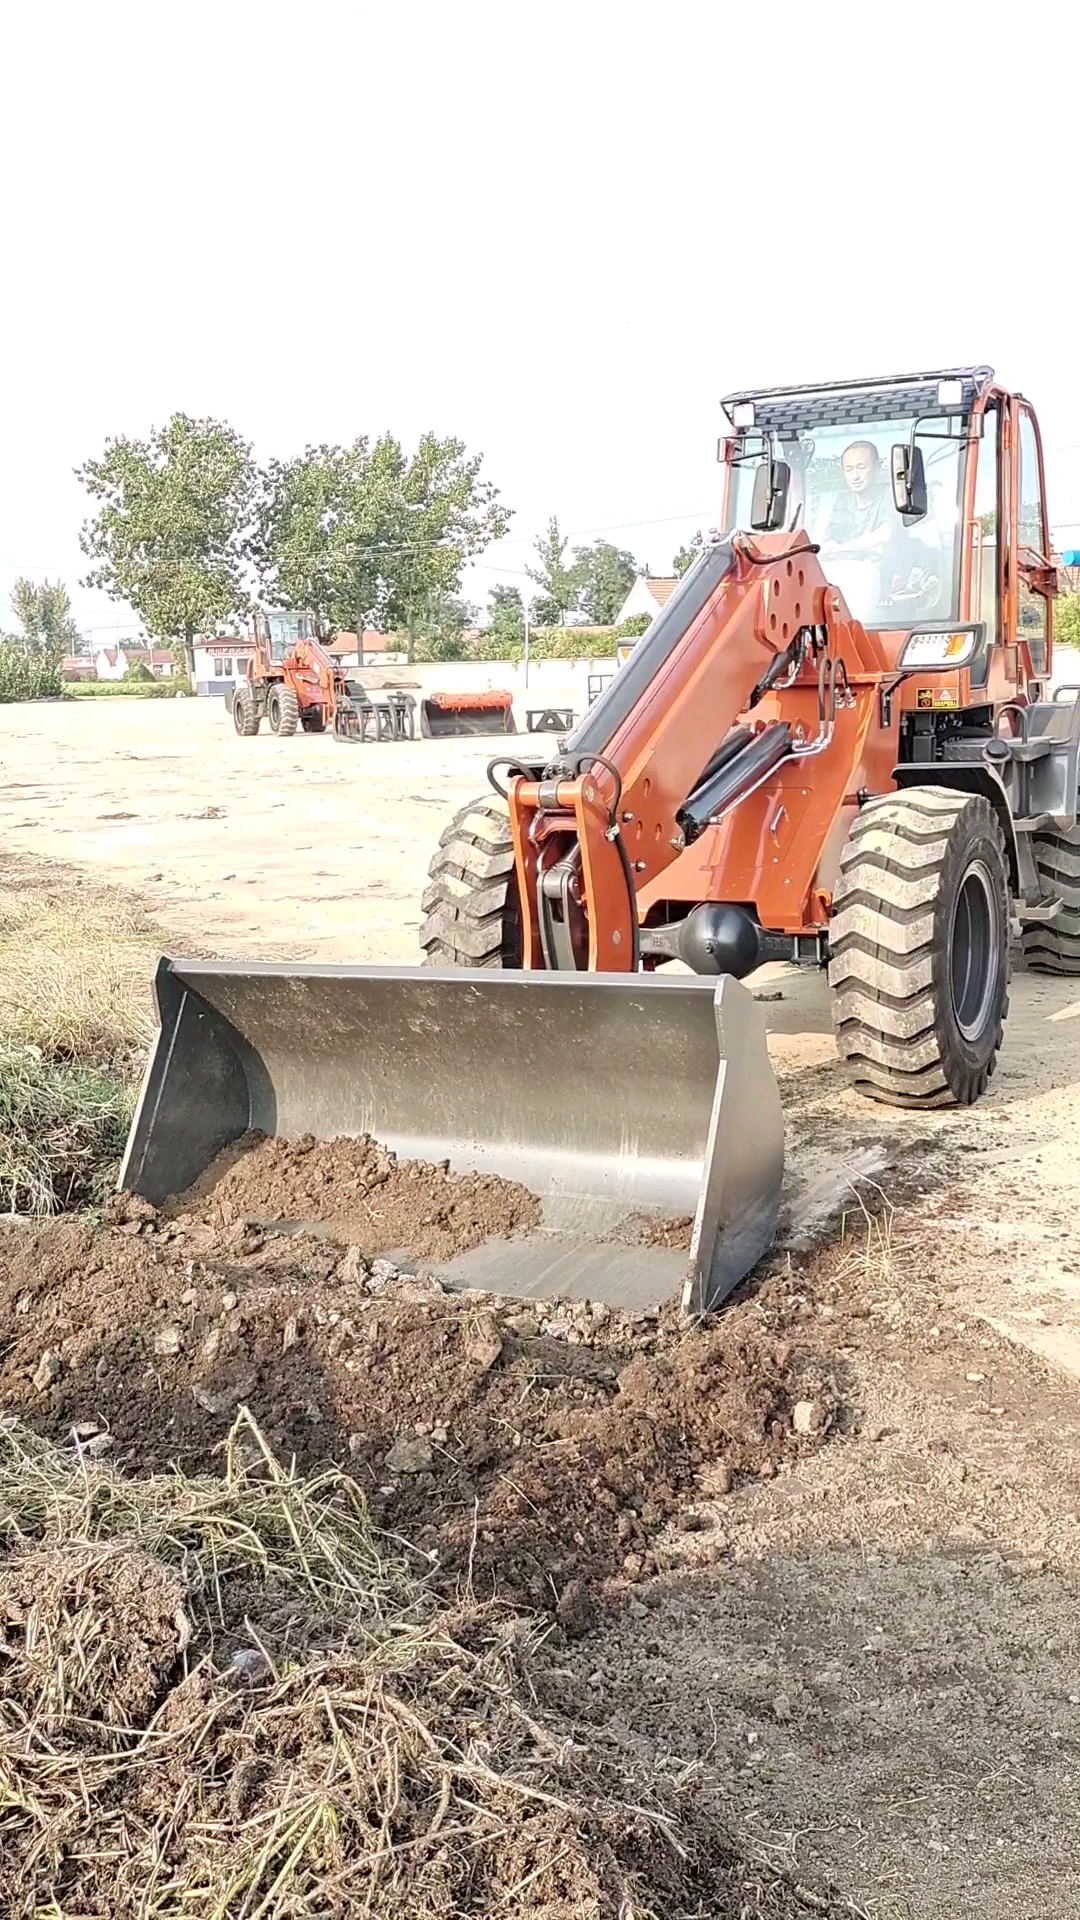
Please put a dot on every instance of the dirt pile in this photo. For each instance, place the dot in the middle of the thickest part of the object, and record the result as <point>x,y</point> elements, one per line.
<point>395,1763</point>
<point>539,1449</point>
<point>362,1192</point>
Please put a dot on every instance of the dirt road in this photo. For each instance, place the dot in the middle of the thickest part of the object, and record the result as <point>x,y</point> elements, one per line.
<point>877,1650</point>
<point>282,848</point>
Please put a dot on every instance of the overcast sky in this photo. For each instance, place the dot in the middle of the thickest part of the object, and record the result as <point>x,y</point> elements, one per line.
<point>560,231</point>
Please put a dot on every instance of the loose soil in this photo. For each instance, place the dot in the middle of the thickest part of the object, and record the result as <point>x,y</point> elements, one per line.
<point>538,1451</point>
<point>368,1197</point>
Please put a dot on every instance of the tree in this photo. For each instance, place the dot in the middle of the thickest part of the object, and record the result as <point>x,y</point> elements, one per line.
<point>441,633</point>
<point>506,614</point>
<point>554,578</point>
<point>45,617</point>
<point>31,660</point>
<point>444,514</point>
<point>687,554</point>
<point>1067,620</point>
<point>298,513</point>
<point>367,536</point>
<point>172,531</point>
<point>603,576</point>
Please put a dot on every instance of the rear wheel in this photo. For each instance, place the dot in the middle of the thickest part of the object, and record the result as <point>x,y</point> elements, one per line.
<point>1053,946</point>
<point>918,948</point>
<point>470,904</point>
<point>245,712</point>
<point>313,720</point>
<point>283,711</point>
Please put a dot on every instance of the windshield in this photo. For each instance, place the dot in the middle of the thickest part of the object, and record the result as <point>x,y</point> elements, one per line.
<point>890,574</point>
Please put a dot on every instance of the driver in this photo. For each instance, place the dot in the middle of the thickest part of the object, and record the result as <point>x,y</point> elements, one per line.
<point>862,520</point>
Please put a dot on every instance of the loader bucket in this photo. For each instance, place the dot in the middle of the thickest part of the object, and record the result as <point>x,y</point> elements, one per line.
<point>466,712</point>
<point>619,1100</point>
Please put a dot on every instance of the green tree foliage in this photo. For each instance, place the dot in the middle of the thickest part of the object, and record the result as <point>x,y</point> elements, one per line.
<point>30,660</point>
<point>602,576</point>
<point>441,633</point>
<point>633,628</point>
<point>171,530</point>
<point>295,541</point>
<point>44,616</point>
<point>137,670</point>
<point>367,535</point>
<point>558,588</point>
<point>687,554</point>
<point>506,617</point>
<point>1067,619</point>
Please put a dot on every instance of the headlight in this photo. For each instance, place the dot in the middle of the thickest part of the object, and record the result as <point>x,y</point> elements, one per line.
<point>947,649</point>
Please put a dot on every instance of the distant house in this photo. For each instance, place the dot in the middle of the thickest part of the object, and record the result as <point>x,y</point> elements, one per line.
<point>221,662</point>
<point>344,648</point>
<point>111,663</point>
<point>649,593</point>
<point>77,666</point>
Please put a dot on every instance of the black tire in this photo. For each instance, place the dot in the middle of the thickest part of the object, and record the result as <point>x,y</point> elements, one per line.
<point>312,720</point>
<point>918,948</point>
<point>1053,946</point>
<point>283,711</point>
<point>470,903</point>
<point>245,712</point>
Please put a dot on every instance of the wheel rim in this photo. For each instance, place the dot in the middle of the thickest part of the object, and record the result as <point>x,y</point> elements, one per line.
<point>975,965</point>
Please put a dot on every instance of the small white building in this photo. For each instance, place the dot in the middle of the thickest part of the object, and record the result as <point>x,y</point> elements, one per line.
<point>221,662</point>
<point>111,663</point>
<point>649,593</point>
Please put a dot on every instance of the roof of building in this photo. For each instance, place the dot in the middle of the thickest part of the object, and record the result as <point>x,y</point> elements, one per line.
<point>661,586</point>
<point>343,643</point>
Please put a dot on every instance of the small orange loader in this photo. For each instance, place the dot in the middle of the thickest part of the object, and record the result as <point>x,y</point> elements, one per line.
<point>300,684</point>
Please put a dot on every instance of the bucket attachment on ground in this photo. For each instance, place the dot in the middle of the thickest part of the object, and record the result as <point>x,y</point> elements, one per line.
<point>466,711</point>
<point>620,1101</point>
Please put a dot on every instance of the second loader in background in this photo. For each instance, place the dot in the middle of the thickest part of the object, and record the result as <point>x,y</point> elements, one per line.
<point>300,683</point>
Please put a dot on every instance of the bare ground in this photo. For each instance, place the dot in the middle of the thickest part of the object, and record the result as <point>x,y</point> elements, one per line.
<point>873,1653</point>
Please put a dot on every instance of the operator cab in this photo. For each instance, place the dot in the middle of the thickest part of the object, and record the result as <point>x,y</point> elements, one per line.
<point>905,484</point>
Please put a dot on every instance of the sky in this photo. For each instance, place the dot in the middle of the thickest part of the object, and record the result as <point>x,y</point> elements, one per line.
<point>559,231</point>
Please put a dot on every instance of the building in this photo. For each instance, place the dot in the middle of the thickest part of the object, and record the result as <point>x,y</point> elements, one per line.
<point>111,663</point>
<point>221,662</point>
<point>649,593</point>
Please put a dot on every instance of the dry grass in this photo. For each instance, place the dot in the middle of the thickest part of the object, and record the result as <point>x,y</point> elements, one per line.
<point>76,1016</point>
<point>231,1700</point>
<point>62,1132</point>
<point>76,967</point>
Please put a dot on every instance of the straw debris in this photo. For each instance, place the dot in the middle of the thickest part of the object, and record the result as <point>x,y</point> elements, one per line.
<point>231,1698</point>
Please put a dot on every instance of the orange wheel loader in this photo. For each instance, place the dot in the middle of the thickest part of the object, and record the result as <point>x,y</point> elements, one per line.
<point>300,684</point>
<point>833,746</point>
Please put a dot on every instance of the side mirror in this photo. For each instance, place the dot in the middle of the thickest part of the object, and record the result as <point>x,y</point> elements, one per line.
<point>908,482</point>
<point>768,505</point>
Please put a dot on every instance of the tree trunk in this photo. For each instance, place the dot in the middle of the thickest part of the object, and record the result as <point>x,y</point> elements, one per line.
<point>359,622</point>
<point>189,654</point>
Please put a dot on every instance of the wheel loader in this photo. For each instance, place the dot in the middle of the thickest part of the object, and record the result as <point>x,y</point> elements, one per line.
<point>832,747</point>
<point>299,683</point>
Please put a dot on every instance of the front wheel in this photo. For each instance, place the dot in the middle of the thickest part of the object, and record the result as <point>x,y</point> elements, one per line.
<point>245,712</point>
<point>918,947</point>
<point>283,711</point>
<point>470,904</point>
